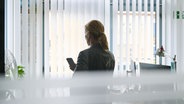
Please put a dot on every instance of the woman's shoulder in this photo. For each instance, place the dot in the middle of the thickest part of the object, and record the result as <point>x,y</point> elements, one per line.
<point>91,51</point>
<point>110,52</point>
<point>84,52</point>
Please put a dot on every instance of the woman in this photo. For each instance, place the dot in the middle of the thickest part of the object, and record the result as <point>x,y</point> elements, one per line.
<point>97,57</point>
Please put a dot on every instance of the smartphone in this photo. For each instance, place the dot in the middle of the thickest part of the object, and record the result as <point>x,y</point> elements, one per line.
<point>70,61</point>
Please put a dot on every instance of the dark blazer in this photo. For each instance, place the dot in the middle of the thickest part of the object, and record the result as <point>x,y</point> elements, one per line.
<point>95,59</point>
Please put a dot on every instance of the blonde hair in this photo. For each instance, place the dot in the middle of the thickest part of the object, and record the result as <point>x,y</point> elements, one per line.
<point>96,29</point>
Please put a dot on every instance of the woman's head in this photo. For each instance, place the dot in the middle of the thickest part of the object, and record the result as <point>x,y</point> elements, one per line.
<point>95,33</point>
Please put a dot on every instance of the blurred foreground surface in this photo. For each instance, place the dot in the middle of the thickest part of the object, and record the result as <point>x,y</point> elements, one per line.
<point>96,88</point>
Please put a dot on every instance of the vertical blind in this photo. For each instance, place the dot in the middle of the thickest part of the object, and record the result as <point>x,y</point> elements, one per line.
<point>66,21</point>
<point>134,28</point>
<point>43,33</point>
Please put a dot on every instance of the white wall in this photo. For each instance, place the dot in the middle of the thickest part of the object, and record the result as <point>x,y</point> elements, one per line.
<point>180,38</point>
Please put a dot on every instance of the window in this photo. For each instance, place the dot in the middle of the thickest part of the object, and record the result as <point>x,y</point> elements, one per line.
<point>134,33</point>
<point>43,33</point>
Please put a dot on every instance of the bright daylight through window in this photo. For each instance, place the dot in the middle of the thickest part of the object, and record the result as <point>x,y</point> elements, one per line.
<point>44,33</point>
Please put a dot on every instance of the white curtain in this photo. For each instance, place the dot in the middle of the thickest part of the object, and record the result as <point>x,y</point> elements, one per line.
<point>43,33</point>
<point>24,34</point>
<point>64,28</point>
<point>169,37</point>
<point>134,31</point>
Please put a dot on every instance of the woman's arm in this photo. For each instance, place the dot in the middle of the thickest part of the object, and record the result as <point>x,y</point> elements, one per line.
<point>82,62</point>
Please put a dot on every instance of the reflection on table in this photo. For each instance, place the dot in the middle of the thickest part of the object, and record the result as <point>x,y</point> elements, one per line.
<point>95,88</point>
